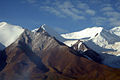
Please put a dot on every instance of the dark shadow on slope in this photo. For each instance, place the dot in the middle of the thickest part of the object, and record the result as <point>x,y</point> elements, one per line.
<point>111,60</point>
<point>93,55</point>
<point>3,58</point>
<point>77,39</point>
<point>111,38</point>
<point>86,51</point>
<point>33,57</point>
<point>70,39</point>
<point>2,46</point>
<point>96,48</point>
<point>61,43</point>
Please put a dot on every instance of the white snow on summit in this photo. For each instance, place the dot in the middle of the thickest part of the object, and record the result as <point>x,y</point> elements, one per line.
<point>51,32</point>
<point>86,33</point>
<point>104,42</point>
<point>95,35</point>
<point>116,30</point>
<point>9,33</point>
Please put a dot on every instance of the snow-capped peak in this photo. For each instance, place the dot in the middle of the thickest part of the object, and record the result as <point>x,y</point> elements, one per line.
<point>101,41</point>
<point>86,33</point>
<point>43,27</point>
<point>116,30</point>
<point>95,35</point>
<point>50,31</point>
<point>2,24</point>
<point>9,33</point>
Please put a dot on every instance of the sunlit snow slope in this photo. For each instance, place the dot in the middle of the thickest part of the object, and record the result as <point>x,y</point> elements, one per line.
<point>95,37</point>
<point>9,33</point>
<point>105,42</point>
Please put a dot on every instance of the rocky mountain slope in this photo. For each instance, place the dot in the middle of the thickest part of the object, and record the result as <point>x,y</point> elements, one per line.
<point>50,31</point>
<point>38,56</point>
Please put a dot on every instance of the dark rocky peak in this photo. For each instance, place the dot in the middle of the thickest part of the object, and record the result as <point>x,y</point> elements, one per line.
<point>41,29</point>
<point>81,47</point>
<point>45,29</point>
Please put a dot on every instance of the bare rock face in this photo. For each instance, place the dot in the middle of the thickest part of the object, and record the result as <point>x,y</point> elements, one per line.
<point>86,51</point>
<point>38,56</point>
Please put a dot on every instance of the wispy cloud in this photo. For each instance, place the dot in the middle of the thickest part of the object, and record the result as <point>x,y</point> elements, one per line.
<point>108,8</point>
<point>90,12</point>
<point>53,11</point>
<point>99,21</point>
<point>31,1</point>
<point>77,10</point>
<point>68,9</point>
<point>109,16</point>
<point>113,14</point>
<point>82,5</point>
<point>106,14</point>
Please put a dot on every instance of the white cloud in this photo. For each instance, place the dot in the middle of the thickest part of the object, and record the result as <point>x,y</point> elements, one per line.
<point>108,8</point>
<point>72,14</point>
<point>78,10</point>
<point>113,14</point>
<point>82,5</point>
<point>112,17</point>
<point>99,21</point>
<point>69,10</point>
<point>66,8</point>
<point>96,1</point>
<point>110,21</point>
<point>114,21</point>
<point>90,12</point>
<point>53,11</point>
<point>31,1</point>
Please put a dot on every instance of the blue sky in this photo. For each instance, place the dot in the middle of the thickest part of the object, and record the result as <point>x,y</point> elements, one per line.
<point>62,15</point>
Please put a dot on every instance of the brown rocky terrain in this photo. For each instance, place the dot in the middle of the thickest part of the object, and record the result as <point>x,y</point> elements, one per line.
<point>38,56</point>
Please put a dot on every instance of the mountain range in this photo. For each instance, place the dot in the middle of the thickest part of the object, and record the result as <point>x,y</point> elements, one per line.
<point>43,54</point>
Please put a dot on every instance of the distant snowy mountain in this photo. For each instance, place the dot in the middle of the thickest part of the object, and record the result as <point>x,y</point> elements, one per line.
<point>97,35</point>
<point>86,33</point>
<point>8,34</point>
<point>50,31</point>
<point>100,40</point>
<point>116,30</point>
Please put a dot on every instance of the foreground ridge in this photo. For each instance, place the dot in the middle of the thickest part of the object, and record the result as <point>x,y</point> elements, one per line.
<point>39,56</point>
